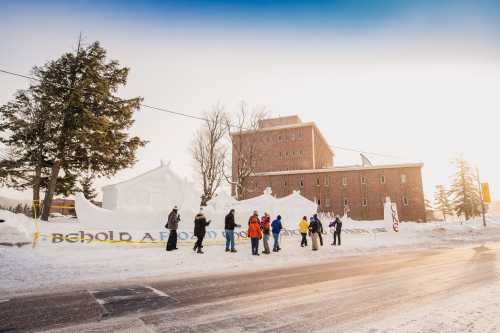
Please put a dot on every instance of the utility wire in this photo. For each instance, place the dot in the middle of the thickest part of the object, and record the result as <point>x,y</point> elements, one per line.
<point>156,108</point>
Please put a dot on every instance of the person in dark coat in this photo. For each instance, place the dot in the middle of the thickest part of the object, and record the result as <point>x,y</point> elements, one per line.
<point>172,225</point>
<point>337,225</point>
<point>314,231</point>
<point>200,225</point>
<point>229,225</point>
<point>320,229</point>
<point>276,227</point>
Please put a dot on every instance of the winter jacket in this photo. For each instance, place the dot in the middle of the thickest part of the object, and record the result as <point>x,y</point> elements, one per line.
<point>229,223</point>
<point>338,225</point>
<point>276,226</point>
<point>254,229</point>
<point>303,226</point>
<point>320,225</point>
<point>173,220</point>
<point>314,226</point>
<point>265,225</point>
<point>200,225</point>
<point>254,218</point>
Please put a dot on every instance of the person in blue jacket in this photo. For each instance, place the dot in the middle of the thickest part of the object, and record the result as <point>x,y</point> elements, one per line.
<point>276,227</point>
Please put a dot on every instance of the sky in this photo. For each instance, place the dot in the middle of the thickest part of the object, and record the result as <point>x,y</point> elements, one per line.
<point>417,80</point>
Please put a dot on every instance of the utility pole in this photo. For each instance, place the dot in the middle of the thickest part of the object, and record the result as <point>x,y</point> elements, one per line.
<point>481,196</point>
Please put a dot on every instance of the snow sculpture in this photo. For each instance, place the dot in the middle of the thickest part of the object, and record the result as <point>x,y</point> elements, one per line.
<point>146,200</point>
<point>391,218</point>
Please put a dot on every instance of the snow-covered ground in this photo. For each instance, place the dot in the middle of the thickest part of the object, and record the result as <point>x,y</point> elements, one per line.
<point>27,269</point>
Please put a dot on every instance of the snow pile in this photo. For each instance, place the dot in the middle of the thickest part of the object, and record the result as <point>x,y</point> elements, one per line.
<point>17,228</point>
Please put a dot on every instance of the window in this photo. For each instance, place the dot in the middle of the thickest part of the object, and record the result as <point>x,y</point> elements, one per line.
<point>327,202</point>
<point>344,181</point>
<point>346,202</point>
<point>403,178</point>
<point>327,180</point>
<point>364,202</point>
<point>364,180</point>
<point>382,179</point>
<point>281,155</point>
<point>317,181</point>
<point>279,138</point>
<point>301,152</point>
<point>405,201</point>
<point>301,183</point>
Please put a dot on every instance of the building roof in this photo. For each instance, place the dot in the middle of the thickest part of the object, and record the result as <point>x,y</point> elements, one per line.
<point>341,169</point>
<point>284,127</point>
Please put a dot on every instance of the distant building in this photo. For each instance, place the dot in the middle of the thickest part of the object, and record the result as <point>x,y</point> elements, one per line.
<point>294,155</point>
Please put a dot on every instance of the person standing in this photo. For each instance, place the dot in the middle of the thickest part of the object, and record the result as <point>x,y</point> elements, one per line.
<point>229,225</point>
<point>172,225</point>
<point>314,230</point>
<point>303,229</point>
<point>338,230</point>
<point>254,232</point>
<point>276,227</point>
<point>265,225</point>
<point>200,225</point>
<point>320,229</point>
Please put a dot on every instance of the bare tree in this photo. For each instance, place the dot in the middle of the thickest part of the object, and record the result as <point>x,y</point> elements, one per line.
<point>246,152</point>
<point>209,152</point>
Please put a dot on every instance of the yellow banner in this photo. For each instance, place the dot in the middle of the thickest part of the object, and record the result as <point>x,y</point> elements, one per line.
<point>485,189</point>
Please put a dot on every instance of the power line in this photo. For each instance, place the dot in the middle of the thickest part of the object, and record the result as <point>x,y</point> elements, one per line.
<point>157,108</point>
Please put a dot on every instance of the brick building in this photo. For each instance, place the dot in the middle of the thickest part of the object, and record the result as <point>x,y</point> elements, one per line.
<point>294,155</point>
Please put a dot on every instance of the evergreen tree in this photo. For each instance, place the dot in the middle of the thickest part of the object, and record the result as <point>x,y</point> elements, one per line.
<point>464,191</point>
<point>18,209</point>
<point>84,125</point>
<point>87,187</point>
<point>442,201</point>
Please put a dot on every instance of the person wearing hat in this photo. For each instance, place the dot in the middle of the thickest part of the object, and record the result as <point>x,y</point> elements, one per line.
<point>276,227</point>
<point>229,225</point>
<point>314,230</point>
<point>265,226</point>
<point>303,229</point>
<point>200,225</point>
<point>254,232</point>
<point>172,225</point>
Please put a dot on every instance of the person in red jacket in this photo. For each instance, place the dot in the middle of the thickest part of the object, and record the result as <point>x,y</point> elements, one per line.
<point>254,232</point>
<point>265,226</point>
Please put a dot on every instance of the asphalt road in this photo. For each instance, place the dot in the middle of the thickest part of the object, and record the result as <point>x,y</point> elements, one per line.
<point>350,294</point>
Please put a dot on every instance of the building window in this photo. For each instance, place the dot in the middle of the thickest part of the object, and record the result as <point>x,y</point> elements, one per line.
<point>344,181</point>
<point>403,178</point>
<point>364,202</point>
<point>346,202</point>
<point>281,155</point>
<point>301,184</point>
<point>327,180</point>
<point>382,179</point>
<point>279,138</point>
<point>318,181</point>
<point>405,201</point>
<point>364,180</point>
<point>301,152</point>
<point>327,202</point>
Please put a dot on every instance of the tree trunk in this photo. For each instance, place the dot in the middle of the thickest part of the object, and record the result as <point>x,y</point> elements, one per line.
<point>36,191</point>
<point>51,188</point>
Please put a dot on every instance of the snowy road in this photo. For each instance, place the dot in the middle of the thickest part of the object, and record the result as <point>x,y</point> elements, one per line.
<point>438,290</point>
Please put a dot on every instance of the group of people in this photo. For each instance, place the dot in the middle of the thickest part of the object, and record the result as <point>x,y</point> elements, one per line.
<point>258,229</point>
<point>314,228</point>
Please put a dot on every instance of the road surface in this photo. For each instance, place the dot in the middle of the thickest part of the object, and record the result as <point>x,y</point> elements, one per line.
<point>438,290</point>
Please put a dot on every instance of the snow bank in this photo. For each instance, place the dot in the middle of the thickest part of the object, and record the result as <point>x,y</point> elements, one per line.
<point>16,229</point>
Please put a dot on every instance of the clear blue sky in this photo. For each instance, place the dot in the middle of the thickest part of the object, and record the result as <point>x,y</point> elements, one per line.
<point>416,79</point>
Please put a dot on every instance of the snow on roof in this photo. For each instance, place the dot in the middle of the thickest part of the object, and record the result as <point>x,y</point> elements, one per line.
<point>340,169</point>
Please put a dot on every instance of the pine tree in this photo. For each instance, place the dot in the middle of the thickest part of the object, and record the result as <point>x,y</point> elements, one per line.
<point>464,190</point>
<point>18,209</point>
<point>442,201</point>
<point>85,124</point>
<point>87,187</point>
